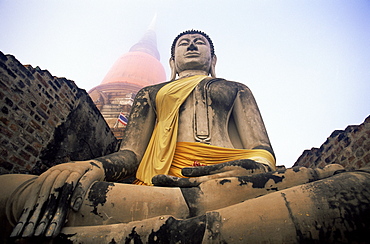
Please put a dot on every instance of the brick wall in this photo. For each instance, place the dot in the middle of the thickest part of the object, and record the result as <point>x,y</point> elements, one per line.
<point>46,120</point>
<point>349,147</point>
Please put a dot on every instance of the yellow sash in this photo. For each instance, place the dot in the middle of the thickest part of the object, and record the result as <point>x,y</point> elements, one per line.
<point>158,156</point>
<point>189,154</point>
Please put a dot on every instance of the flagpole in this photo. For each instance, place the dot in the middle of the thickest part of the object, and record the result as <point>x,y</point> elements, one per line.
<point>116,124</point>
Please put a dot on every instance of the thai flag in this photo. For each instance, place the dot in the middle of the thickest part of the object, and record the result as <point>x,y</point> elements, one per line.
<point>122,119</point>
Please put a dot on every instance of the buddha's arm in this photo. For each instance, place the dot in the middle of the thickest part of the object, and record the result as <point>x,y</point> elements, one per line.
<point>249,122</point>
<point>45,209</point>
<point>125,162</point>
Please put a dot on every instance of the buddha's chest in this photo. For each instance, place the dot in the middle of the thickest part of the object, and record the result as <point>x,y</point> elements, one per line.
<point>204,115</point>
<point>217,97</point>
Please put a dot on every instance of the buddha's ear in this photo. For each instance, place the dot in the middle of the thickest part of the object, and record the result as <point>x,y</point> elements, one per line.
<point>173,69</point>
<point>212,70</point>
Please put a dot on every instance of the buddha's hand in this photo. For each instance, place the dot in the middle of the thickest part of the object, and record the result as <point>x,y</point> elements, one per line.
<point>51,195</point>
<point>201,174</point>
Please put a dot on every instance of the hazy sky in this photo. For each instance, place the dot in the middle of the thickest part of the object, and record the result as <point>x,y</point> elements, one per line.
<point>306,61</point>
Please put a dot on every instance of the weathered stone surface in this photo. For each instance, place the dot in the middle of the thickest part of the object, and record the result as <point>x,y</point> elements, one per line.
<point>332,210</point>
<point>46,120</point>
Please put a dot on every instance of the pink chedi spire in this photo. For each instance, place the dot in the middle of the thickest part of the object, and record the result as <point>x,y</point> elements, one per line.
<point>140,66</point>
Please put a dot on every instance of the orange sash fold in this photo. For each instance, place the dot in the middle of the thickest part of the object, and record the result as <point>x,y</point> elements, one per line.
<point>189,154</point>
<point>158,156</point>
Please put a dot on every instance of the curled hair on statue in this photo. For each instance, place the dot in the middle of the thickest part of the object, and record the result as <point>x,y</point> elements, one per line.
<point>192,32</point>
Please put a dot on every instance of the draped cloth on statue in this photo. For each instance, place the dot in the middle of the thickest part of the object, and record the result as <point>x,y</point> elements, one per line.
<point>158,156</point>
<point>190,154</point>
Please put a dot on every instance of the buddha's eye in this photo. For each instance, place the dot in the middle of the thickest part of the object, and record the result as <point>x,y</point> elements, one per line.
<point>183,43</point>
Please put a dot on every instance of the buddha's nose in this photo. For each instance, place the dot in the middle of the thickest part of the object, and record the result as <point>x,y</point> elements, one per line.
<point>192,47</point>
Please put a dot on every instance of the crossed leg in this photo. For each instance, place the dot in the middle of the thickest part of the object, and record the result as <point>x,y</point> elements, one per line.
<point>113,203</point>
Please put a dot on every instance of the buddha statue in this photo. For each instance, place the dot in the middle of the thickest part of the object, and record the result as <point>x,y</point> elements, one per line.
<point>200,154</point>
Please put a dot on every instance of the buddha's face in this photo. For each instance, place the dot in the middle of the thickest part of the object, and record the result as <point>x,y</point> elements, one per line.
<point>192,52</point>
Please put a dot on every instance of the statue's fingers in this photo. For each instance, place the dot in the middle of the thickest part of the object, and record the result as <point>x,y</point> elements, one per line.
<point>82,186</point>
<point>202,170</point>
<point>172,181</point>
<point>226,174</point>
<point>241,165</point>
<point>51,204</point>
<point>59,217</point>
<point>54,204</point>
<point>60,214</point>
<point>29,205</point>
<point>40,203</point>
<point>48,214</point>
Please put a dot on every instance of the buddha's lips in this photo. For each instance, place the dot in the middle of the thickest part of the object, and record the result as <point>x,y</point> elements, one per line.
<point>191,54</point>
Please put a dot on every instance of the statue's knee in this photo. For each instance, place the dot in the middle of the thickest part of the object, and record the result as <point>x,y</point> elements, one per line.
<point>329,170</point>
<point>12,199</point>
<point>12,182</point>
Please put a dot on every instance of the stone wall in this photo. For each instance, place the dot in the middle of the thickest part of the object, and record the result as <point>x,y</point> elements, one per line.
<point>349,147</point>
<point>46,120</point>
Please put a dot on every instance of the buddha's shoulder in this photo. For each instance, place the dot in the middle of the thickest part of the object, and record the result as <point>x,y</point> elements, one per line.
<point>225,84</point>
<point>153,88</point>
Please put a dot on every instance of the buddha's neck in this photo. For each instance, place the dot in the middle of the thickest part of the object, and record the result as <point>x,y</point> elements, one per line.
<point>187,73</point>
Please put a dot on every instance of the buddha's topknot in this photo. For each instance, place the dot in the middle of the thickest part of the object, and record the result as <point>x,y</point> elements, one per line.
<point>192,32</point>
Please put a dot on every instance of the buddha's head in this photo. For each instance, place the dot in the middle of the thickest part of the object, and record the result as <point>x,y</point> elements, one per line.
<point>192,50</point>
